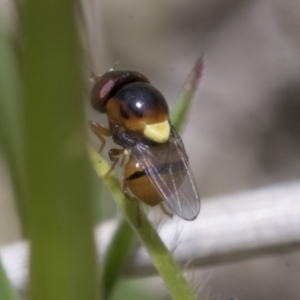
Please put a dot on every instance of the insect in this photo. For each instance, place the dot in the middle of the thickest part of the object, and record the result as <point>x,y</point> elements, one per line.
<point>157,169</point>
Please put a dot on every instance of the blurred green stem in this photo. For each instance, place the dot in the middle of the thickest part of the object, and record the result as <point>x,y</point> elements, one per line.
<point>58,192</point>
<point>10,120</point>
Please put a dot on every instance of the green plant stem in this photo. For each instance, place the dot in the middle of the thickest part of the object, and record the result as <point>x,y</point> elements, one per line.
<point>161,257</point>
<point>115,256</point>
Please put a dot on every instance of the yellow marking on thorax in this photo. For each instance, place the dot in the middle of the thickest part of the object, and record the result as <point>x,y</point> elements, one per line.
<point>158,132</point>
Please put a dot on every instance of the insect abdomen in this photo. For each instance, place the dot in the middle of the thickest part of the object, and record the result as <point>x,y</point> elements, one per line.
<point>139,183</point>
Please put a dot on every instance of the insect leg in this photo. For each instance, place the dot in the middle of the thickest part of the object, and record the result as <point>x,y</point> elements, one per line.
<point>123,161</point>
<point>126,154</point>
<point>113,156</point>
<point>136,202</point>
<point>163,208</point>
<point>100,132</point>
<point>94,77</point>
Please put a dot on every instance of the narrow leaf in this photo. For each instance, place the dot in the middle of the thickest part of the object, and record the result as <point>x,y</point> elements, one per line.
<point>58,197</point>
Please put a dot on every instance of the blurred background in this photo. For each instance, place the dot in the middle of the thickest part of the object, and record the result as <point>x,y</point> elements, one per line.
<point>244,128</point>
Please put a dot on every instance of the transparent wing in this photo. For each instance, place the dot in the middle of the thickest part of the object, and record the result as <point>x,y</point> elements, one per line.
<point>169,171</point>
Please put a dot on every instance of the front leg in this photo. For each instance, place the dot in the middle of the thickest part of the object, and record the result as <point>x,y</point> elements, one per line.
<point>100,132</point>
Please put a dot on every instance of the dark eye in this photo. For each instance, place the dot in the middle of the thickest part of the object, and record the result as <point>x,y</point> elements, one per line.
<point>123,113</point>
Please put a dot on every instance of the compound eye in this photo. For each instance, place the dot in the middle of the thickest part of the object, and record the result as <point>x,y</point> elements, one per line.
<point>101,93</point>
<point>108,85</point>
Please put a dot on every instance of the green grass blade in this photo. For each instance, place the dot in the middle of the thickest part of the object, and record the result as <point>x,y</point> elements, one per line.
<point>58,197</point>
<point>6,290</point>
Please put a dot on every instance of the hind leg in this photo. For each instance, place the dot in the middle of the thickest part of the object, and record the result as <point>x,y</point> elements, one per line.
<point>166,212</point>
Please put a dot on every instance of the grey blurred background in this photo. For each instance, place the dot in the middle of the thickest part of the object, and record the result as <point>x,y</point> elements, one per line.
<point>244,128</point>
